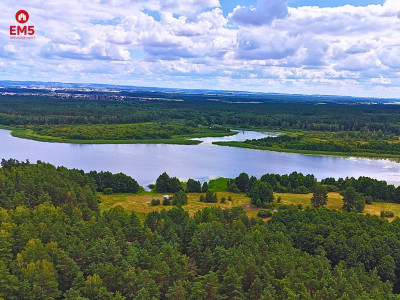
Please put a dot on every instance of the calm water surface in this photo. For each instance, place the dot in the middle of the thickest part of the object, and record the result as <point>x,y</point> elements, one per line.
<point>205,161</point>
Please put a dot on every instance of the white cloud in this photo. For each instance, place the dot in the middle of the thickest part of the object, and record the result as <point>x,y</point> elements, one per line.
<point>349,50</point>
<point>265,13</point>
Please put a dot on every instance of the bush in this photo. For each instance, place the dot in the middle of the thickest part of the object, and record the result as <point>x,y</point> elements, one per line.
<point>202,199</point>
<point>193,186</point>
<point>229,198</point>
<point>180,198</point>
<point>368,199</point>
<point>223,200</point>
<point>387,214</point>
<point>283,207</point>
<point>232,187</point>
<point>211,197</point>
<point>264,213</point>
<point>301,190</point>
<point>331,188</point>
<point>269,205</point>
<point>166,201</point>
<point>279,199</point>
<point>108,191</point>
<point>155,202</point>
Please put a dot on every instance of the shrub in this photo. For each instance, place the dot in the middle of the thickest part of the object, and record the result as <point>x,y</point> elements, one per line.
<point>301,190</point>
<point>264,213</point>
<point>108,191</point>
<point>331,188</point>
<point>202,199</point>
<point>166,201</point>
<point>269,205</point>
<point>211,197</point>
<point>223,200</point>
<point>368,199</point>
<point>155,202</point>
<point>387,214</point>
<point>229,198</point>
<point>180,198</point>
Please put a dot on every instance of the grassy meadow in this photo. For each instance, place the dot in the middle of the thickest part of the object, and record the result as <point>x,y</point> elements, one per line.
<point>140,203</point>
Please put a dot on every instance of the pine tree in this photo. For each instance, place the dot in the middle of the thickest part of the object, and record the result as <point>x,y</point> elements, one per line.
<point>320,196</point>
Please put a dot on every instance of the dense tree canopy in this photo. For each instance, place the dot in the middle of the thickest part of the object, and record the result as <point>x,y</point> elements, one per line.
<point>62,247</point>
<point>166,184</point>
<point>118,183</point>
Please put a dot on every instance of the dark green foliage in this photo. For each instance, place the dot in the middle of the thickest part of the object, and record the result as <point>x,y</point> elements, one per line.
<point>61,252</point>
<point>166,201</point>
<point>233,257</point>
<point>204,188</point>
<point>260,193</point>
<point>180,198</point>
<point>155,202</point>
<point>232,187</point>
<point>166,184</point>
<point>193,186</point>
<point>387,214</point>
<point>210,197</point>
<point>292,183</point>
<point>348,237</point>
<point>118,183</point>
<point>264,213</point>
<point>242,182</point>
<point>223,200</point>
<point>353,201</point>
<point>202,198</point>
<point>320,196</point>
<point>23,183</point>
<point>375,190</point>
<point>108,191</point>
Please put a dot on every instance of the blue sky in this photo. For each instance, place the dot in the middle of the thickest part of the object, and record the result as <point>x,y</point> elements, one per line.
<point>229,5</point>
<point>300,46</point>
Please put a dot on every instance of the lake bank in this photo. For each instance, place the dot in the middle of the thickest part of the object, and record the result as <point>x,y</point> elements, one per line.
<point>145,162</point>
<point>310,152</point>
<point>189,139</point>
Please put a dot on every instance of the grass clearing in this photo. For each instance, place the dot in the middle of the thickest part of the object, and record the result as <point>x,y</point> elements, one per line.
<point>141,202</point>
<point>335,201</point>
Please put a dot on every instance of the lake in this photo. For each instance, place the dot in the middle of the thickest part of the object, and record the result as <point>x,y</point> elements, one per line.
<point>145,162</point>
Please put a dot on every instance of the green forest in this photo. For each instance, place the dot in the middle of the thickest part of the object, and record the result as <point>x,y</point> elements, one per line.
<point>56,243</point>
<point>358,129</point>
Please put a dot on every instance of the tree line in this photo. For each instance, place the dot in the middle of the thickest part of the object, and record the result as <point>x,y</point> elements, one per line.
<point>382,120</point>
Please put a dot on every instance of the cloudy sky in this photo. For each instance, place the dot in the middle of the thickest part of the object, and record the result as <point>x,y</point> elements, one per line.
<point>302,46</point>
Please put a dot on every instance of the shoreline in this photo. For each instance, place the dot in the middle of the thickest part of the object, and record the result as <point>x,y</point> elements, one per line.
<point>392,157</point>
<point>189,140</point>
<point>24,133</point>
